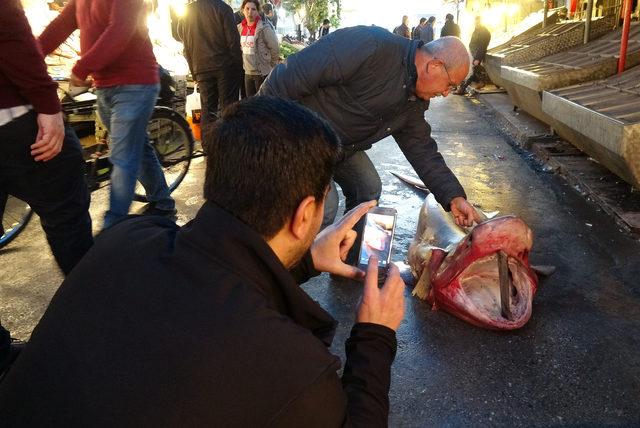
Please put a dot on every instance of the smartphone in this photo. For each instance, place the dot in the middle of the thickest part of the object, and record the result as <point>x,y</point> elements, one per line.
<point>377,236</point>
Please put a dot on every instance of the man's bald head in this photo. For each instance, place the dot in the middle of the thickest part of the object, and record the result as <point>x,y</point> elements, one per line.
<point>441,64</point>
<point>452,51</point>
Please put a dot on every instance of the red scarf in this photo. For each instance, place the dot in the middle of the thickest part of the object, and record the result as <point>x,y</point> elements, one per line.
<point>249,30</point>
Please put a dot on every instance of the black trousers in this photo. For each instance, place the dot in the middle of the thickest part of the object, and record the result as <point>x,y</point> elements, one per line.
<point>252,83</point>
<point>5,342</point>
<point>478,75</point>
<point>56,190</point>
<point>218,89</point>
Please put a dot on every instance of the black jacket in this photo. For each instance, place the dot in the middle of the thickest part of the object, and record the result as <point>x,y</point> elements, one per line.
<point>362,80</point>
<point>450,28</point>
<point>198,326</point>
<point>210,37</point>
<point>479,42</point>
<point>402,30</point>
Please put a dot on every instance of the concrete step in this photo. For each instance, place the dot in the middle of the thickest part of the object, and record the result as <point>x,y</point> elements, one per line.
<point>615,196</point>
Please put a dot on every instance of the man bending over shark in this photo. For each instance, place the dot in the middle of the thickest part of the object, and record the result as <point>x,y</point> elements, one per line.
<point>369,84</point>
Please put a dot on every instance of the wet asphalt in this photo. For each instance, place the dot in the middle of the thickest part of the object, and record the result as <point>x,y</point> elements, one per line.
<point>577,361</point>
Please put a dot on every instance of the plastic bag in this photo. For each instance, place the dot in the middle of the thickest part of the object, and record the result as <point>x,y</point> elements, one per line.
<point>193,109</point>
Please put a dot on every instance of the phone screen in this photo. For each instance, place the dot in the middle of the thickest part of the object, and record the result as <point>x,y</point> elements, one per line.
<point>377,238</point>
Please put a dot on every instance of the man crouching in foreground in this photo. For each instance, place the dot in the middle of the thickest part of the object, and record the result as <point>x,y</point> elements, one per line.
<point>205,325</point>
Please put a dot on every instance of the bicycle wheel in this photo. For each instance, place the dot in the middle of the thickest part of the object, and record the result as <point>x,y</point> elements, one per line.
<point>15,215</point>
<point>171,137</point>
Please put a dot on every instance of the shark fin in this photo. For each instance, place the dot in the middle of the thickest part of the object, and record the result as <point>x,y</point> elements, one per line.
<point>423,286</point>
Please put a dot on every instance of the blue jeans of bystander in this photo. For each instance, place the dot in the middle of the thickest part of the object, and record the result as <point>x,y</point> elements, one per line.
<point>125,111</point>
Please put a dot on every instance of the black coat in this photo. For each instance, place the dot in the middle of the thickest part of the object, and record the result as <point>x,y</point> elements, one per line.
<point>210,36</point>
<point>198,326</point>
<point>402,30</point>
<point>450,28</point>
<point>479,42</point>
<point>362,80</point>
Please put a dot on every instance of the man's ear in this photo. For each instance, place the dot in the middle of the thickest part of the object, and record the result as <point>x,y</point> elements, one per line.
<point>438,62</point>
<point>303,217</point>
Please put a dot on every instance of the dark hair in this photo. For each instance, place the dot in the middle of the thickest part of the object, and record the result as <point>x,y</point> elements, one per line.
<point>325,21</point>
<point>422,20</point>
<point>256,2</point>
<point>267,7</point>
<point>449,17</point>
<point>432,19</point>
<point>264,156</point>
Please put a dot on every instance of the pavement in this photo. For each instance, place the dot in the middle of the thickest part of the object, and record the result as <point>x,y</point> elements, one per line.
<point>575,363</point>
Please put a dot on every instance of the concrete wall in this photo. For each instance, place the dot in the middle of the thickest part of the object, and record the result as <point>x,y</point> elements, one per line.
<point>602,137</point>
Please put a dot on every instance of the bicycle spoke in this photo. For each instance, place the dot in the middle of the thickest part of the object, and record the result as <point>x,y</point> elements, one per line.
<point>171,138</point>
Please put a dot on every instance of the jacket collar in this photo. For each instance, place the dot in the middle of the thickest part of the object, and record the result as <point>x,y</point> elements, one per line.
<point>230,243</point>
<point>412,72</point>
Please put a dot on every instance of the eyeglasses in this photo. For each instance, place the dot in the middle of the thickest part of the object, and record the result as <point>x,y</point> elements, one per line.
<point>452,86</point>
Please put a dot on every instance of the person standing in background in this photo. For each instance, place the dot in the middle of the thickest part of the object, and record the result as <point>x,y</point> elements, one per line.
<point>212,49</point>
<point>259,43</point>
<point>426,33</point>
<point>478,45</point>
<point>403,29</point>
<point>270,14</point>
<point>450,28</point>
<point>415,34</point>
<point>324,29</point>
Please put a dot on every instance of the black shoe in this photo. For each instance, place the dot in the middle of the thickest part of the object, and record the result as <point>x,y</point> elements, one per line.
<point>9,354</point>
<point>151,209</point>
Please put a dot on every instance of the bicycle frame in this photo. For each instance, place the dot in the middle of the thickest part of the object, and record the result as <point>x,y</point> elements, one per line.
<point>81,114</point>
<point>83,118</point>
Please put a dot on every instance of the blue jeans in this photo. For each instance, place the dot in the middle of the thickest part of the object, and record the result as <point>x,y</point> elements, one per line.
<point>125,111</point>
<point>359,181</point>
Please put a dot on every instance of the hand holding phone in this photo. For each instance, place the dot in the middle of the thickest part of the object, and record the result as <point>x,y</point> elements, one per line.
<point>377,237</point>
<point>330,248</point>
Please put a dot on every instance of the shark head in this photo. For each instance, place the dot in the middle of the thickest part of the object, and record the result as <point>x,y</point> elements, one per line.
<point>482,276</point>
<point>471,284</point>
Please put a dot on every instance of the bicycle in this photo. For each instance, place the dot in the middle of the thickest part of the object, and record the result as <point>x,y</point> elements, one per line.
<point>169,134</point>
<point>15,214</point>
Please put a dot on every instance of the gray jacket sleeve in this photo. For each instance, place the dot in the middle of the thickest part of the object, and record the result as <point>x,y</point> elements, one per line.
<point>328,62</point>
<point>421,150</point>
<point>271,40</point>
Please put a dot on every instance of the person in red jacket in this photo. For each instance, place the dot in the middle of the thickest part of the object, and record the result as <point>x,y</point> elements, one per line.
<point>40,162</point>
<point>117,54</point>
